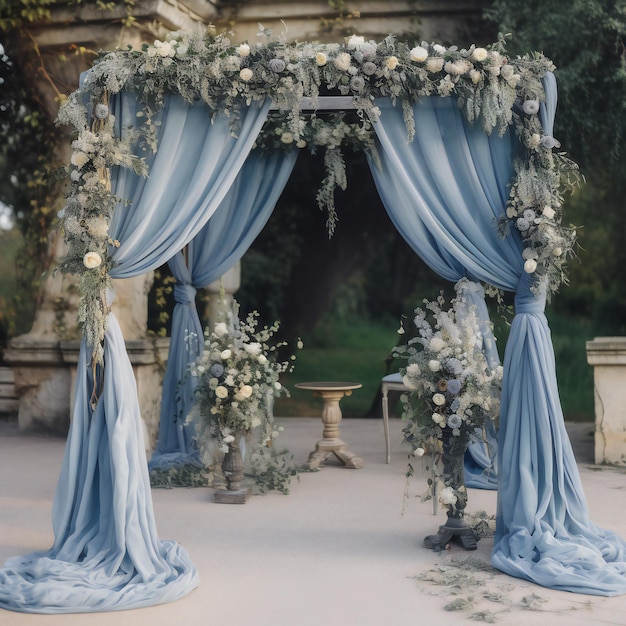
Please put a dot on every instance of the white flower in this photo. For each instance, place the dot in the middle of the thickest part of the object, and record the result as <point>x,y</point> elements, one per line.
<point>228,439</point>
<point>229,380</point>
<point>548,212</point>
<point>507,72</point>
<point>447,496</point>
<point>245,392</point>
<point>413,369</point>
<point>436,345</point>
<point>479,54</point>
<point>557,251</point>
<point>458,67</point>
<point>391,62</point>
<point>255,422</point>
<point>439,399</point>
<point>409,383</point>
<point>321,59</point>
<point>439,49</point>
<point>419,54</point>
<point>98,227</point>
<point>221,392</point>
<point>434,365</point>
<point>262,359</point>
<point>535,140</point>
<point>300,345</point>
<point>277,385</point>
<point>253,347</point>
<point>101,111</point>
<point>301,143</point>
<point>355,41</point>
<point>286,138</point>
<point>530,107</point>
<point>438,418</point>
<point>243,50</point>
<point>92,260</point>
<point>476,76</point>
<point>530,266</point>
<point>181,50</point>
<point>419,452</point>
<point>246,74</point>
<point>78,159</point>
<point>226,354</point>
<point>434,64</point>
<point>221,329</point>
<point>342,61</point>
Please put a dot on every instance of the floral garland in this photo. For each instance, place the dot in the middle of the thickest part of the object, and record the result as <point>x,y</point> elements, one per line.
<point>491,89</point>
<point>452,390</point>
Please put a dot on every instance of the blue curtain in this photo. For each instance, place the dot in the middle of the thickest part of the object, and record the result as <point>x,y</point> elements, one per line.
<point>444,191</point>
<point>219,245</point>
<point>106,553</point>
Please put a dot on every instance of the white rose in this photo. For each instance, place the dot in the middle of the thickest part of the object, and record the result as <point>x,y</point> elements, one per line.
<point>447,496</point>
<point>246,74</point>
<point>262,359</point>
<point>437,418</point>
<point>530,266</point>
<point>226,354</point>
<point>221,329</point>
<point>419,452</point>
<point>557,251</point>
<point>321,59</point>
<point>342,61</point>
<point>78,159</point>
<point>434,365</point>
<point>243,50</point>
<point>301,143</point>
<point>92,260</point>
<point>286,138</point>
<point>479,54</point>
<point>391,62</point>
<point>245,391</point>
<point>439,399</point>
<point>419,54</point>
<point>221,392</point>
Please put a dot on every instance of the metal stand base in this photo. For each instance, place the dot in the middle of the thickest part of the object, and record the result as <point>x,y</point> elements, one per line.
<point>453,529</point>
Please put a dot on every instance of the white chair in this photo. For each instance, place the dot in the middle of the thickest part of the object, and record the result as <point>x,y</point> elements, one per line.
<point>391,382</point>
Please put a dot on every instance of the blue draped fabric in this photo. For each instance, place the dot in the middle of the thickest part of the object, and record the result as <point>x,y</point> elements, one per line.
<point>444,191</point>
<point>219,245</point>
<point>106,553</point>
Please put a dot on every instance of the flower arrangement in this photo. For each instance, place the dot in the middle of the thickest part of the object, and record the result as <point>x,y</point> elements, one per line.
<point>238,379</point>
<point>452,391</point>
<point>491,89</point>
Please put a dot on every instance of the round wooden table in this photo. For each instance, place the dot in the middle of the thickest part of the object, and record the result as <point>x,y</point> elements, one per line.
<point>331,393</point>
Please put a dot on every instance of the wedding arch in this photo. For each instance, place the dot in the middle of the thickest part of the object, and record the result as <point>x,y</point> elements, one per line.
<point>188,143</point>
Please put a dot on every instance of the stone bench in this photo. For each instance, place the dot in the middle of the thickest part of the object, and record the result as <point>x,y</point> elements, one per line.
<point>607,355</point>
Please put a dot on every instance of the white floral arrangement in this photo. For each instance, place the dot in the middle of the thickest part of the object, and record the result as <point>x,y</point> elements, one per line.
<point>238,378</point>
<point>452,390</point>
<point>491,89</point>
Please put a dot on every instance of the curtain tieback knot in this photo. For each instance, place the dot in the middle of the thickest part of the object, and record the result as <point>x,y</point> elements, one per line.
<point>529,297</point>
<point>184,293</point>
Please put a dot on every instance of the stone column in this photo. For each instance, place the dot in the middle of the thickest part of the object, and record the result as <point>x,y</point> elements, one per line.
<point>607,355</point>
<point>220,293</point>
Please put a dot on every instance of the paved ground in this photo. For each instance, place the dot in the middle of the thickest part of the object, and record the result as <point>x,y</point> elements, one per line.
<point>339,550</point>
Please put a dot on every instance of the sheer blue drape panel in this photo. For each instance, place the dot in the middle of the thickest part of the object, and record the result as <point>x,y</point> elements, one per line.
<point>106,554</point>
<point>445,191</point>
<point>220,244</point>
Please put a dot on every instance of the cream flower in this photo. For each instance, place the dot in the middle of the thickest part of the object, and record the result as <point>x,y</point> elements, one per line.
<point>243,50</point>
<point>476,76</point>
<point>342,61</point>
<point>226,354</point>
<point>419,452</point>
<point>98,227</point>
<point>479,54</point>
<point>253,348</point>
<point>286,138</point>
<point>391,62</point>
<point>92,260</point>
<point>548,212</point>
<point>413,369</point>
<point>435,64</point>
<point>436,344</point>
<point>419,54</point>
<point>221,392</point>
<point>262,359</point>
<point>355,41</point>
<point>246,74</point>
<point>78,159</point>
<point>439,399</point>
<point>321,59</point>
<point>434,365</point>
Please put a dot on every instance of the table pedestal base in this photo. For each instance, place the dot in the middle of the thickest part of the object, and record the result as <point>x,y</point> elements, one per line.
<point>325,447</point>
<point>231,496</point>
